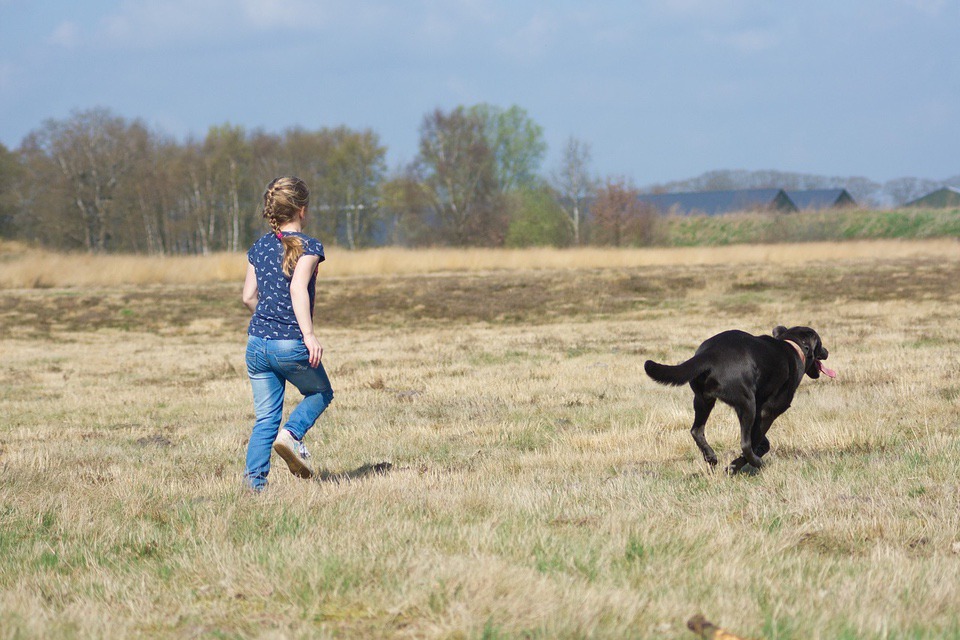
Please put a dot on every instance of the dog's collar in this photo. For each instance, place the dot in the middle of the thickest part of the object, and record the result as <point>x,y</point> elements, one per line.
<point>803,358</point>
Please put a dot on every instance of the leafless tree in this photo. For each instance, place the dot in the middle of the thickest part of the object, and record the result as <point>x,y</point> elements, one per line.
<point>619,217</point>
<point>903,190</point>
<point>458,175</point>
<point>573,182</point>
<point>92,152</point>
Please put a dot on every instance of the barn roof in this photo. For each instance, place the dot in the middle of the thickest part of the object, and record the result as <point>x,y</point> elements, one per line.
<point>718,202</point>
<point>941,198</point>
<point>807,199</point>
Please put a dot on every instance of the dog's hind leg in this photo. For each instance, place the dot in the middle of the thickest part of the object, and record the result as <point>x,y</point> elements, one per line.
<point>747,413</point>
<point>702,406</point>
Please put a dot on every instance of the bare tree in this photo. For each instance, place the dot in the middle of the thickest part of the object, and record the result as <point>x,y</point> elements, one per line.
<point>459,176</point>
<point>155,187</point>
<point>619,216</point>
<point>356,171</point>
<point>228,158</point>
<point>903,190</point>
<point>344,169</point>
<point>10,172</point>
<point>92,151</point>
<point>573,182</point>
<point>407,206</point>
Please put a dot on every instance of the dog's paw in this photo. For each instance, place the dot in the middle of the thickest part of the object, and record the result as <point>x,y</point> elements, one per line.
<point>744,468</point>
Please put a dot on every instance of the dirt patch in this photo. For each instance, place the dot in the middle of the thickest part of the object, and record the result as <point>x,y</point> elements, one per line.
<point>530,297</point>
<point>155,440</point>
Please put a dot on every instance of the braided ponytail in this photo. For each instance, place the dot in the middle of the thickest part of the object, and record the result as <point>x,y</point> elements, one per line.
<point>282,201</point>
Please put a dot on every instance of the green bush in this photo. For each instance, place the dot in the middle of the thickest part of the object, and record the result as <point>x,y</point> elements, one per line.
<point>538,221</point>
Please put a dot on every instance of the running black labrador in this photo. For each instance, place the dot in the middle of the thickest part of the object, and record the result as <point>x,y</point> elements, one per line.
<point>756,375</point>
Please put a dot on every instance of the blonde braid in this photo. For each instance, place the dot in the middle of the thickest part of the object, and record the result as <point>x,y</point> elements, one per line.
<point>269,208</point>
<point>282,201</point>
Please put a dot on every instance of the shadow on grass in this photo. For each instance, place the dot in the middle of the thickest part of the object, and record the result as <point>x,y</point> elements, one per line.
<point>363,471</point>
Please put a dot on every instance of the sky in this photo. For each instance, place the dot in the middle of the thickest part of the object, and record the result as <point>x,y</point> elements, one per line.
<point>661,90</point>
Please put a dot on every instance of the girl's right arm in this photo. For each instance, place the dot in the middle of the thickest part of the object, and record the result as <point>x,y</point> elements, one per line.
<point>250,293</point>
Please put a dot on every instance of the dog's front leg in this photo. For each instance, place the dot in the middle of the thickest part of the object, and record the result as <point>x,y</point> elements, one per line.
<point>769,413</point>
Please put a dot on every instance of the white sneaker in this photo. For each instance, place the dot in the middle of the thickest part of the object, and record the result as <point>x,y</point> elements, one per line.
<point>294,453</point>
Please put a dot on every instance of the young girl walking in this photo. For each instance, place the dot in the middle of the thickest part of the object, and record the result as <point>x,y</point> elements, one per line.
<point>279,290</point>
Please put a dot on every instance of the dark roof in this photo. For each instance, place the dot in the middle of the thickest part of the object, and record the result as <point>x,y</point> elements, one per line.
<point>941,198</point>
<point>821,198</point>
<point>716,202</point>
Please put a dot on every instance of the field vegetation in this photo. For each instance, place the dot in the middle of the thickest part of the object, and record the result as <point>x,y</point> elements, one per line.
<point>26,267</point>
<point>808,226</point>
<point>541,486</point>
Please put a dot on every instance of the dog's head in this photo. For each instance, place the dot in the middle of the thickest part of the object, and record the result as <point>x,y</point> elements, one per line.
<point>813,350</point>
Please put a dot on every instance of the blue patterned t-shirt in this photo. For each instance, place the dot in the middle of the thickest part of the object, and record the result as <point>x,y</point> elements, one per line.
<point>274,318</point>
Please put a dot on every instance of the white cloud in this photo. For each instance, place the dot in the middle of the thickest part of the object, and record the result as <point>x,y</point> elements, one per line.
<point>467,12</point>
<point>67,35</point>
<point>136,23</point>
<point>532,40</point>
<point>464,91</point>
<point>286,14</point>
<point>703,9</point>
<point>437,28</point>
<point>150,24</point>
<point>930,7</point>
<point>751,40</point>
<point>437,24</point>
<point>145,24</point>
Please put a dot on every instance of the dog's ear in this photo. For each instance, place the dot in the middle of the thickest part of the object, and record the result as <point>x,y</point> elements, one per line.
<point>778,330</point>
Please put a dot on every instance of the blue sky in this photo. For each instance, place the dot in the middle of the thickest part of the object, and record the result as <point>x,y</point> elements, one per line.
<point>661,90</point>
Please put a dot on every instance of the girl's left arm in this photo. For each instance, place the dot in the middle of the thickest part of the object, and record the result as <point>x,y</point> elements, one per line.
<point>300,298</point>
<point>250,293</point>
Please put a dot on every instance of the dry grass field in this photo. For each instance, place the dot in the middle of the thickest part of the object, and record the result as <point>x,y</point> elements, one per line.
<point>541,487</point>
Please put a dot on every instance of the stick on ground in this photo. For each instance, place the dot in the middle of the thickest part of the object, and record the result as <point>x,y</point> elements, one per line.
<point>709,631</point>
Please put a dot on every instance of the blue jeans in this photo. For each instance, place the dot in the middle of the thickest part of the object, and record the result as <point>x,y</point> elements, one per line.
<point>270,365</point>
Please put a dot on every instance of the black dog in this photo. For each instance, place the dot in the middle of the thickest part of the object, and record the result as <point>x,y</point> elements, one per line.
<point>756,375</point>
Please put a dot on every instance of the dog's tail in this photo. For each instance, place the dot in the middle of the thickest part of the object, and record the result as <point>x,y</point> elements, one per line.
<point>675,375</point>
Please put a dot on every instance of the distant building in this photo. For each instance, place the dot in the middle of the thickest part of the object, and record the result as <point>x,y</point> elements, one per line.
<point>714,203</point>
<point>945,198</point>
<point>817,199</point>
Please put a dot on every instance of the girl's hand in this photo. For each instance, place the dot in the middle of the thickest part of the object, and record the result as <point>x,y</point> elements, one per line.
<point>314,348</point>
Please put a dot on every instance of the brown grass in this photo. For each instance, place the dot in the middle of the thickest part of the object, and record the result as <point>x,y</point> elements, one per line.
<point>24,268</point>
<point>542,486</point>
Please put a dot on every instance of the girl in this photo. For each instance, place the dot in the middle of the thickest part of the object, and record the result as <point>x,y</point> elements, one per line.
<point>279,289</point>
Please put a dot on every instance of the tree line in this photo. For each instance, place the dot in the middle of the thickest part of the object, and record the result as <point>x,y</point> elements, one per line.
<point>98,182</point>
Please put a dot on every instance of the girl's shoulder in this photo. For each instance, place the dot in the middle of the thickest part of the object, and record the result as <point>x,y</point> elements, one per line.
<point>311,246</point>
<point>265,238</point>
<point>260,245</point>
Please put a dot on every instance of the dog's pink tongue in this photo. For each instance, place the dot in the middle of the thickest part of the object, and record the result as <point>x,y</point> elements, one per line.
<point>830,373</point>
